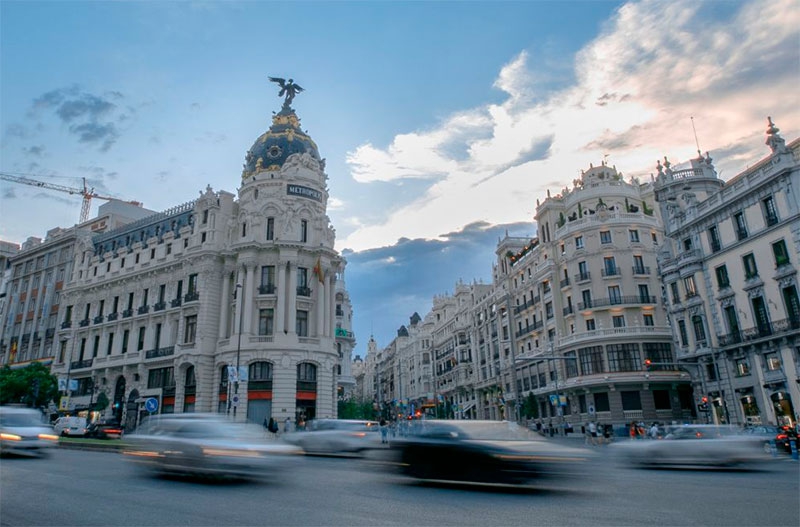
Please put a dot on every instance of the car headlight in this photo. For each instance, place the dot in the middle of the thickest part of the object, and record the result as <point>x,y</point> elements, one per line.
<point>10,437</point>
<point>229,452</point>
<point>48,437</point>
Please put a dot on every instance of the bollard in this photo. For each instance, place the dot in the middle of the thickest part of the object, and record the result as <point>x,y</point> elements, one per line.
<point>793,445</point>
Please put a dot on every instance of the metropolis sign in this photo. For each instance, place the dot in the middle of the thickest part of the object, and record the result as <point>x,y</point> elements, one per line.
<point>303,192</point>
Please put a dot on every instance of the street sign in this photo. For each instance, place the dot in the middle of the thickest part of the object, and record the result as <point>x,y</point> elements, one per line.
<point>151,405</point>
<point>63,403</point>
<point>591,409</point>
<point>235,400</point>
<point>554,400</point>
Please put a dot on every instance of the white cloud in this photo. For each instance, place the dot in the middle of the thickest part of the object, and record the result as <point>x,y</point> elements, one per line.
<point>655,65</point>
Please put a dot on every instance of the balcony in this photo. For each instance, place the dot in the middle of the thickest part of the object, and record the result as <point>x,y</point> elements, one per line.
<point>529,329</point>
<point>266,289</point>
<point>610,271</point>
<point>112,317</point>
<point>192,296</point>
<point>772,219</point>
<point>143,309</point>
<point>641,270</point>
<point>159,306</point>
<point>98,319</point>
<point>83,323</point>
<point>49,333</point>
<point>175,302</point>
<point>616,301</point>
<point>583,277</point>
<point>568,311</point>
<point>564,282</point>
<point>66,324</point>
<point>741,234</point>
<point>79,364</point>
<point>777,328</point>
<point>128,313</point>
<point>159,352</point>
<point>303,290</point>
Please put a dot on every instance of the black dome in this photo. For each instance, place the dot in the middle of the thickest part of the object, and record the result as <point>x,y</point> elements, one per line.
<point>273,147</point>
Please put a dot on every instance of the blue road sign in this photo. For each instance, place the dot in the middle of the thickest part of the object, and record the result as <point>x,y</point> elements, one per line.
<point>151,405</point>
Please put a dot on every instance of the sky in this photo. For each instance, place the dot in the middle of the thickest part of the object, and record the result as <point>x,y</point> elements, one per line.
<point>441,123</point>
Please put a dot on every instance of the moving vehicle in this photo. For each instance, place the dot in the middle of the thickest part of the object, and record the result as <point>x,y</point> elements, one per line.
<point>70,426</point>
<point>337,436</point>
<point>105,429</point>
<point>206,445</point>
<point>712,446</point>
<point>23,432</point>
<point>484,452</point>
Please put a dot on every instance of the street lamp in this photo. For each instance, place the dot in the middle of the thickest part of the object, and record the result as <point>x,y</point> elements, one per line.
<point>238,351</point>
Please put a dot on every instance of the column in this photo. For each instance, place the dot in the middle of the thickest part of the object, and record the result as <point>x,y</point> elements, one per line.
<point>237,322</point>
<point>291,300</point>
<point>321,288</point>
<point>280,290</point>
<point>330,287</point>
<point>225,307</point>
<point>249,290</point>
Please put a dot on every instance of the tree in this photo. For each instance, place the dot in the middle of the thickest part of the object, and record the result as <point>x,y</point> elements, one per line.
<point>102,402</point>
<point>353,409</point>
<point>529,407</point>
<point>33,385</point>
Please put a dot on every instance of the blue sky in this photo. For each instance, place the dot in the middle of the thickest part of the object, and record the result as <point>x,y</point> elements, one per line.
<point>442,122</point>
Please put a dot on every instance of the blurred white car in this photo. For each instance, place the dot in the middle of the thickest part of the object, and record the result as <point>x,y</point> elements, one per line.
<point>337,436</point>
<point>70,426</point>
<point>694,446</point>
<point>23,432</point>
<point>207,445</point>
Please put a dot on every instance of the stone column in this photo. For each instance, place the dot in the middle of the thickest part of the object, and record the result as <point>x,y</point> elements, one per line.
<point>225,306</point>
<point>330,307</point>
<point>237,322</point>
<point>322,290</point>
<point>280,303</point>
<point>249,290</point>
<point>291,304</point>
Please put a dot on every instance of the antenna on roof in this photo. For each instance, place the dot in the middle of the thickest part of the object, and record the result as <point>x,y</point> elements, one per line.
<point>696,142</point>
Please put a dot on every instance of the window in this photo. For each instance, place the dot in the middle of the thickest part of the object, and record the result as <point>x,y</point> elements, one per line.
<point>623,357</point>
<point>647,319</point>
<point>605,237</point>
<point>270,229</point>
<point>306,372</point>
<point>548,307</point>
<point>591,360</point>
<point>140,341</point>
<point>161,378</point>
<point>739,226</point>
<point>571,364</point>
<point>190,329</point>
<point>96,346</point>
<point>654,237</point>
<point>302,323</point>
<point>205,217</point>
<point>658,353</point>
<point>583,271</point>
<point>601,403</point>
<point>618,321</point>
<point>110,345</point>
<point>750,269</point>
<point>742,367</point>
<point>772,361</point>
<point>683,333</point>
<point>265,321</point>
<point>631,400</point>
<point>770,212</point>
<point>590,325</point>
<point>303,230</point>
<point>192,284</point>
<point>713,239</point>
<point>661,399</point>
<point>638,264</point>
<point>644,294</point>
<point>126,335</point>
<point>579,242</point>
<point>699,329</point>
<point>689,285</point>
<point>267,279</point>
<point>614,294</point>
<point>302,277</point>
<point>634,235</point>
<point>244,229</point>
<point>687,244</point>
<point>260,371</point>
<point>780,253</point>
<point>722,277</point>
<point>673,289</point>
<point>609,266</point>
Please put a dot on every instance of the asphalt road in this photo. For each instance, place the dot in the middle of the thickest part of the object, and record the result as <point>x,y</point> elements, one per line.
<point>84,488</point>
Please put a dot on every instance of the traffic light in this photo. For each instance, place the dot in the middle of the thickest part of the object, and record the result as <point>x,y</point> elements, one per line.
<point>648,364</point>
<point>703,406</point>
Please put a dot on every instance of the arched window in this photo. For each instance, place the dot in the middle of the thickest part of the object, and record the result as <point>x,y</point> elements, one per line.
<point>189,380</point>
<point>260,371</point>
<point>699,328</point>
<point>223,378</point>
<point>306,372</point>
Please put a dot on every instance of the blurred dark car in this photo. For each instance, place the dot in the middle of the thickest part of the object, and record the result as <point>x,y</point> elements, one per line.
<point>781,436</point>
<point>206,445</point>
<point>784,438</point>
<point>695,446</point>
<point>105,429</point>
<point>483,452</point>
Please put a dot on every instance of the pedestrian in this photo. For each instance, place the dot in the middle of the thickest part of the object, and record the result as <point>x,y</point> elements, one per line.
<point>654,431</point>
<point>632,430</point>
<point>384,431</point>
<point>287,425</point>
<point>592,433</point>
<point>272,426</point>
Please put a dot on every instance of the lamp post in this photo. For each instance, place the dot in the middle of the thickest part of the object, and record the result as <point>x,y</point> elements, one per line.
<point>238,351</point>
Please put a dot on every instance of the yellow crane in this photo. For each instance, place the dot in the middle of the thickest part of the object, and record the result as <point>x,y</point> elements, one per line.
<point>86,192</point>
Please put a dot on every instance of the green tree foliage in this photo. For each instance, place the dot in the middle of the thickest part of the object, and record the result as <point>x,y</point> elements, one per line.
<point>529,407</point>
<point>33,385</point>
<point>353,409</point>
<point>102,402</point>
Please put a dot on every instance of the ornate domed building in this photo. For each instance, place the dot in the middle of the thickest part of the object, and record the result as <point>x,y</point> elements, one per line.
<point>227,303</point>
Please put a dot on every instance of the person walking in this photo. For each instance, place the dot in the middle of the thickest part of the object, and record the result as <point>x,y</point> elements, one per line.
<point>287,426</point>
<point>592,433</point>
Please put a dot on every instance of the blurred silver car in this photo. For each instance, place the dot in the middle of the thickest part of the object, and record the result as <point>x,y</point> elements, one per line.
<point>206,445</point>
<point>712,446</point>
<point>337,436</point>
<point>23,432</point>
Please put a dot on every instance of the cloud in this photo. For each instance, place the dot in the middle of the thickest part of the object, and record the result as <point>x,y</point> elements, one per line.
<point>35,150</point>
<point>92,119</point>
<point>654,65</point>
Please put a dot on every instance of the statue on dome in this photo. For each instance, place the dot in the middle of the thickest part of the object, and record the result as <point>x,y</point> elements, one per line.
<point>289,89</point>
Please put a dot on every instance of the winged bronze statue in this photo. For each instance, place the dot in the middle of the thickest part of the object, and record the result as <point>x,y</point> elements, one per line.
<point>289,89</point>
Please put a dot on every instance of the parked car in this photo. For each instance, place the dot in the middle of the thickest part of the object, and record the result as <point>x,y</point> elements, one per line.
<point>105,429</point>
<point>206,445</point>
<point>70,426</point>
<point>783,441</point>
<point>484,452</point>
<point>337,436</point>
<point>22,431</point>
<point>712,446</point>
<point>779,436</point>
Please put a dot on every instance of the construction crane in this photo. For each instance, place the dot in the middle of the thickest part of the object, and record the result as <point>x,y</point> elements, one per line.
<point>86,192</point>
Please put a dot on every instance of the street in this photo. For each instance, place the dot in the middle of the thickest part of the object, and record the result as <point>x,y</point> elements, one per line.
<point>76,487</point>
